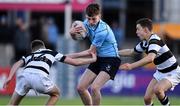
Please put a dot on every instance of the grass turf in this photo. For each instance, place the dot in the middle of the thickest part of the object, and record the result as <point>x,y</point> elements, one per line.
<point>129,100</point>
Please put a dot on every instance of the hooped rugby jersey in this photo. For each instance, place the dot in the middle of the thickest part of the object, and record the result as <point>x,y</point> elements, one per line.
<point>165,61</point>
<point>42,59</point>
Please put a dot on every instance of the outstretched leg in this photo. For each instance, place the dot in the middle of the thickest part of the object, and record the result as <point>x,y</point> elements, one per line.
<point>96,86</point>
<point>149,95</point>
<point>160,89</point>
<point>54,96</point>
<point>82,88</point>
<point>15,99</point>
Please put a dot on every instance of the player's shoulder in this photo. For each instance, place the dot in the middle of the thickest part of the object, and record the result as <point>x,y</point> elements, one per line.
<point>85,21</point>
<point>102,26</point>
<point>155,36</point>
<point>45,51</point>
<point>42,51</point>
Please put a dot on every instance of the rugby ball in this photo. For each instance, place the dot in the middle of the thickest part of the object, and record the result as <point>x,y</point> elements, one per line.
<point>81,34</point>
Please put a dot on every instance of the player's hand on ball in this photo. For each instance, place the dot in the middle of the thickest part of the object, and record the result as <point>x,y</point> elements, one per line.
<point>74,30</point>
<point>125,66</point>
<point>78,31</point>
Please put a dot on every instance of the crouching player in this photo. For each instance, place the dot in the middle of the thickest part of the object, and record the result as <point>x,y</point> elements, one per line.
<point>35,74</point>
<point>167,75</point>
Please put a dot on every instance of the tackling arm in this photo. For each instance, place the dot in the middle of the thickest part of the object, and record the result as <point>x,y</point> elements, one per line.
<point>80,61</point>
<point>13,70</point>
<point>85,53</point>
<point>147,59</point>
<point>79,54</point>
<point>126,52</point>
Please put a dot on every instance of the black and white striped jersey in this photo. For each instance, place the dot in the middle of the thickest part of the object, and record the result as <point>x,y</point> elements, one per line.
<point>164,60</point>
<point>42,59</point>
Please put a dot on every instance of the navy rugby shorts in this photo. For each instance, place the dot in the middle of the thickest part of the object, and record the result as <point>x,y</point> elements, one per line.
<point>107,64</point>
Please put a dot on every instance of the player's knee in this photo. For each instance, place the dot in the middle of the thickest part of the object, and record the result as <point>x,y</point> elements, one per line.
<point>80,88</point>
<point>158,90</point>
<point>58,93</point>
<point>55,93</point>
<point>95,88</point>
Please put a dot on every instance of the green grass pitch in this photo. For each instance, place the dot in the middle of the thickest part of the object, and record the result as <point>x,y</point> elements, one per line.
<point>119,100</point>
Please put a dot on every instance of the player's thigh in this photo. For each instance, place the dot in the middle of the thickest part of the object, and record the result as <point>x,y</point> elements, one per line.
<point>15,99</point>
<point>87,78</point>
<point>100,80</point>
<point>164,84</point>
<point>110,65</point>
<point>22,85</point>
<point>150,88</point>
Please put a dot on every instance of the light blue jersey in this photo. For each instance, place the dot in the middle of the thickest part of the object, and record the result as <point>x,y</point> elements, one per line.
<point>103,38</point>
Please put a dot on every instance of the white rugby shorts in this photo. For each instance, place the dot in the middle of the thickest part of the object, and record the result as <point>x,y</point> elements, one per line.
<point>173,76</point>
<point>38,82</point>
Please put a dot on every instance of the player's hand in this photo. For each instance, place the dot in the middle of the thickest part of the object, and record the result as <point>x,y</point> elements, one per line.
<point>125,66</point>
<point>76,29</point>
<point>80,29</point>
<point>6,83</point>
<point>94,56</point>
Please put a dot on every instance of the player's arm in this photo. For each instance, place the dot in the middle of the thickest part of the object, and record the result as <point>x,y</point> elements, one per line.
<point>84,53</point>
<point>79,54</point>
<point>147,59</point>
<point>13,70</point>
<point>126,52</point>
<point>80,61</point>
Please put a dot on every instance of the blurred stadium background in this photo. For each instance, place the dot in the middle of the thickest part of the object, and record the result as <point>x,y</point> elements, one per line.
<point>24,20</point>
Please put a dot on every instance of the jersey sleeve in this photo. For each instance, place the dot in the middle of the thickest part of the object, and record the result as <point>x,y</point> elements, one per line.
<point>139,47</point>
<point>60,57</point>
<point>155,45</point>
<point>24,60</point>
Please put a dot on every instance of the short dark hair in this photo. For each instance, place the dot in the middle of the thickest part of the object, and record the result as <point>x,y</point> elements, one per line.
<point>37,44</point>
<point>145,22</point>
<point>93,9</point>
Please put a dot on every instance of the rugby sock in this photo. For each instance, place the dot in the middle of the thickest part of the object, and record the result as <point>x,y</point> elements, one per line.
<point>165,101</point>
<point>152,104</point>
